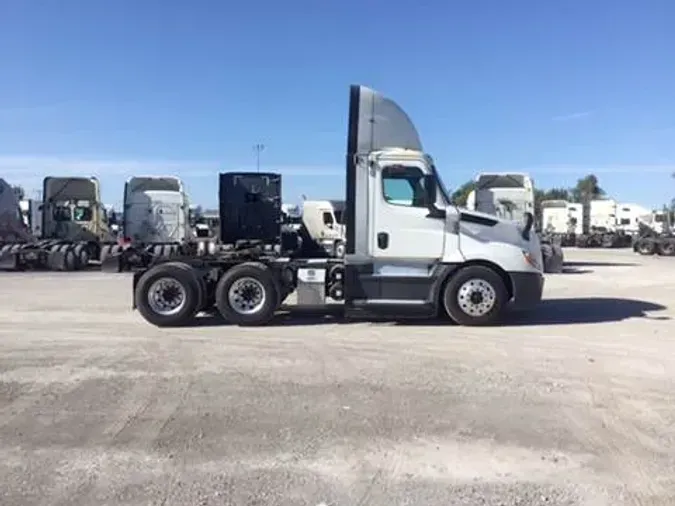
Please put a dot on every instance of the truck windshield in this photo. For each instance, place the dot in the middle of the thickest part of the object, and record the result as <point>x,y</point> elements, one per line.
<point>61,213</point>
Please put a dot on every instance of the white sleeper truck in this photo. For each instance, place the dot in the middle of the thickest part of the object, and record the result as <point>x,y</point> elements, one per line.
<point>409,251</point>
<point>155,223</point>
<point>324,224</point>
<point>510,196</point>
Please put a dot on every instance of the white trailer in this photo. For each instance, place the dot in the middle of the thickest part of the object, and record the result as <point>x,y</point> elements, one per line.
<point>562,220</point>
<point>409,251</point>
<point>603,215</point>
<point>629,216</point>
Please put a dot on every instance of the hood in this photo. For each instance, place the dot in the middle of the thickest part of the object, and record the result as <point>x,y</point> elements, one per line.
<point>476,221</point>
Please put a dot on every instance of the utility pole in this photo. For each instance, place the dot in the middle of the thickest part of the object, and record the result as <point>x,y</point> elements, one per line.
<point>258,148</point>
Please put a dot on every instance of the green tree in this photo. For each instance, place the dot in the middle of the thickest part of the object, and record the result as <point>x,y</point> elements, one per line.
<point>461,194</point>
<point>587,188</point>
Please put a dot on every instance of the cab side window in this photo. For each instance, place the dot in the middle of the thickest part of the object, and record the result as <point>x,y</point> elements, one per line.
<point>403,186</point>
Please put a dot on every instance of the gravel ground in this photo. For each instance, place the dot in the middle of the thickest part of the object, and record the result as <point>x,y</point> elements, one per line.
<point>570,405</point>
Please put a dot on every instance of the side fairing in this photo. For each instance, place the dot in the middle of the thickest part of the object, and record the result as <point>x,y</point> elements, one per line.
<point>381,123</point>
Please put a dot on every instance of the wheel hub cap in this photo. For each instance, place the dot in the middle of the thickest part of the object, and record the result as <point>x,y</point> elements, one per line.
<point>246,296</point>
<point>166,296</point>
<point>476,297</point>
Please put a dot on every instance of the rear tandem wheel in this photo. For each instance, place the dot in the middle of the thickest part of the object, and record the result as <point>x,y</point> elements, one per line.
<point>247,294</point>
<point>169,294</point>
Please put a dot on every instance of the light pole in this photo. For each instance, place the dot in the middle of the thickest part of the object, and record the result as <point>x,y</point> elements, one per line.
<point>258,148</point>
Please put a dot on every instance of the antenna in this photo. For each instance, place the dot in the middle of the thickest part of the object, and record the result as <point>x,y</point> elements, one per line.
<point>258,148</point>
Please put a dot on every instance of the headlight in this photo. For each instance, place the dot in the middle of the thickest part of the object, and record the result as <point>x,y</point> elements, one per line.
<point>531,259</point>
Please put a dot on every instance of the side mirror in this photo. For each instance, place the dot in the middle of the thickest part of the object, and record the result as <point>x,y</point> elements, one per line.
<point>430,189</point>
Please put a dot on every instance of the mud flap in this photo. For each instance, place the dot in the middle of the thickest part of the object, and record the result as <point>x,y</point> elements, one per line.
<point>553,258</point>
<point>137,277</point>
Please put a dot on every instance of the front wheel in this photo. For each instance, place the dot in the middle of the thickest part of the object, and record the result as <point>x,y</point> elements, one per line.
<point>168,295</point>
<point>645,247</point>
<point>247,295</point>
<point>475,295</point>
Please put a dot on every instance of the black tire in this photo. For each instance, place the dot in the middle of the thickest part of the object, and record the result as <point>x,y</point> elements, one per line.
<point>179,273</point>
<point>70,260</point>
<point>667,248</point>
<point>645,247</point>
<point>486,281</point>
<point>263,286</point>
<point>202,295</point>
<point>81,256</point>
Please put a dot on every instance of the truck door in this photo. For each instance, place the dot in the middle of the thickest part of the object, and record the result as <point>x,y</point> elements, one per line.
<point>402,228</point>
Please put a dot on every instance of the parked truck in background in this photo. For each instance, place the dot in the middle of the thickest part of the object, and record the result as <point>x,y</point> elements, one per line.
<point>155,223</point>
<point>510,196</point>
<point>600,228</point>
<point>323,220</point>
<point>19,248</point>
<point>74,217</point>
<point>561,221</point>
<point>409,251</point>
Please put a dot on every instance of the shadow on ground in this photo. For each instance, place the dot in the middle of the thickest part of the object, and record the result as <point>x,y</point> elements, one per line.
<point>600,264</point>
<point>549,312</point>
<point>574,270</point>
<point>586,310</point>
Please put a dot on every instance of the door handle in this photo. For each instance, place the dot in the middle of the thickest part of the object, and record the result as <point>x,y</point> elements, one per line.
<point>383,240</point>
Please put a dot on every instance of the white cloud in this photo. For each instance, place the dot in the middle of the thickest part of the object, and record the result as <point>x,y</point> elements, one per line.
<point>21,169</point>
<point>573,116</point>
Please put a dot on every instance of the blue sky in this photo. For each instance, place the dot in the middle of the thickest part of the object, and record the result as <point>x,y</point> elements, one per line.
<point>557,89</point>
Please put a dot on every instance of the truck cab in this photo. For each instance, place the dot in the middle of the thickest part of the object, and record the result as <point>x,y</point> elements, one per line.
<point>72,210</point>
<point>156,210</point>
<point>323,221</point>
<point>405,238</point>
<point>12,225</point>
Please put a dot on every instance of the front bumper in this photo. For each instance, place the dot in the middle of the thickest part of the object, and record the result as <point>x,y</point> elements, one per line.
<point>528,288</point>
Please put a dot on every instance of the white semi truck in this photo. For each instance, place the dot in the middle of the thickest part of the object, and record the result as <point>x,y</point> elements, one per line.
<point>155,223</point>
<point>66,231</point>
<point>409,251</point>
<point>510,196</point>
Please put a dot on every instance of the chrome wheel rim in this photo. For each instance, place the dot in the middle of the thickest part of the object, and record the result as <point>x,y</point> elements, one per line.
<point>167,296</point>
<point>476,297</point>
<point>246,296</point>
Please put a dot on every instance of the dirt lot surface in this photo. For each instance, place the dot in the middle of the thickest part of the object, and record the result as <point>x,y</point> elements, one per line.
<point>571,405</point>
